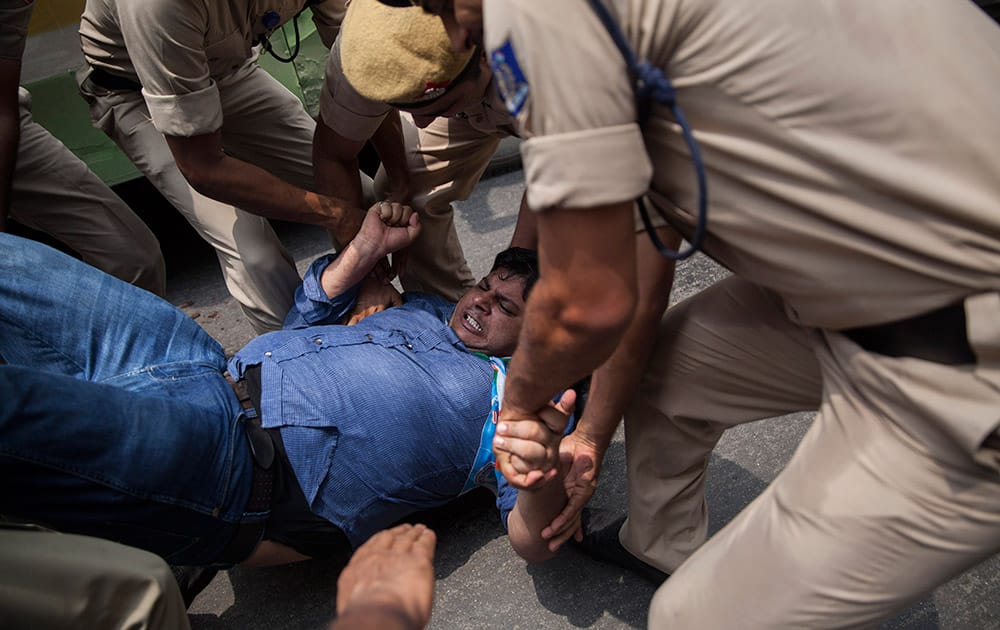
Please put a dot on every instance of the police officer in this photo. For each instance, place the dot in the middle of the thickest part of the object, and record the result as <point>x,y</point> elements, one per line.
<point>49,189</point>
<point>437,150</point>
<point>452,120</point>
<point>854,189</point>
<point>177,86</point>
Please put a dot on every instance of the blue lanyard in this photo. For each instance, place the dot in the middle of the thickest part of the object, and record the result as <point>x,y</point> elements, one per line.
<point>652,86</point>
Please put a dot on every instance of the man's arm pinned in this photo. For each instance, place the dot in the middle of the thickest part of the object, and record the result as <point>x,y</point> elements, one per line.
<point>575,317</point>
<point>388,227</point>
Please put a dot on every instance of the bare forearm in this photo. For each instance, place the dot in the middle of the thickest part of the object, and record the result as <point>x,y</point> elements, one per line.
<point>613,386</point>
<point>336,171</point>
<point>555,349</point>
<point>526,229</point>
<point>255,190</point>
<point>339,178</point>
<point>575,315</point>
<point>346,270</point>
<point>581,305</point>
<point>390,145</point>
<point>533,511</point>
<point>614,383</point>
<point>388,227</point>
<point>343,181</point>
<point>215,174</point>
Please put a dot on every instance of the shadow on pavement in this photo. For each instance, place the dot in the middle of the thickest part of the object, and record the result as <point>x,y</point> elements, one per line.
<point>301,595</point>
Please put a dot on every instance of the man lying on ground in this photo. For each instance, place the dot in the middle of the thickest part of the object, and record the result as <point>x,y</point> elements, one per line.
<point>120,420</point>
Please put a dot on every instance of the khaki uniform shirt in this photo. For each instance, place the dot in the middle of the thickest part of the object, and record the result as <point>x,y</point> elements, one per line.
<point>852,148</point>
<point>179,49</point>
<point>356,117</point>
<point>14,17</point>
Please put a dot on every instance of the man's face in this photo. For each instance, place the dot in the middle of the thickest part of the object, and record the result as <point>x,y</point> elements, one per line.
<point>488,317</point>
<point>463,19</point>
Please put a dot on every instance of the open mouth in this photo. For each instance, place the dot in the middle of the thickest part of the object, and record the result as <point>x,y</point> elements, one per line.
<point>472,323</point>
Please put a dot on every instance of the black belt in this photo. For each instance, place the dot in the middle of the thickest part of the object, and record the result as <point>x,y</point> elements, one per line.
<point>292,521</point>
<point>108,81</point>
<point>262,484</point>
<point>939,336</point>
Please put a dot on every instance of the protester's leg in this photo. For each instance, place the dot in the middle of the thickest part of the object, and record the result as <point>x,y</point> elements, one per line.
<point>50,580</point>
<point>167,469</point>
<point>259,272</point>
<point>725,356</point>
<point>446,159</point>
<point>54,192</point>
<point>878,505</point>
<point>61,315</point>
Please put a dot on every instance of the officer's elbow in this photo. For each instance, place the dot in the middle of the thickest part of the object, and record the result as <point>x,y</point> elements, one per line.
<point>595,311</point>
<point>199,161</point>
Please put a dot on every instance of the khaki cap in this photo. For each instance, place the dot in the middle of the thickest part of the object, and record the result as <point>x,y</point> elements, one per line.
<point>397,55</point>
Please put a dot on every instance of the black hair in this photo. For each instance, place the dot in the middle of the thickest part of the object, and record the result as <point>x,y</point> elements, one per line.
<point>519,261</point>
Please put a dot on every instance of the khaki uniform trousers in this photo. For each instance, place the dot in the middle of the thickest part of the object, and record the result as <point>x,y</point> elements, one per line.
<point>878,505</point>
<point>54,192</point>
<point>264,124</point>
<point>51,581</point>
<point>446,161</point>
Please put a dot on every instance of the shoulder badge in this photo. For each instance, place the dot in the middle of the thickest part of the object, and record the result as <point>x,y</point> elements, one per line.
<point>510,79</point>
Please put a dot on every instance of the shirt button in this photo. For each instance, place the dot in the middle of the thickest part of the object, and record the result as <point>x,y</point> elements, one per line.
<point>318,342</point>
<point>409,346</point>
<point>267,354</point>
<point>368,337</point>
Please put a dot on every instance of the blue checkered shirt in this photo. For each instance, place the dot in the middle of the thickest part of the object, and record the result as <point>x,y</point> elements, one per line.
<point>380,419</point>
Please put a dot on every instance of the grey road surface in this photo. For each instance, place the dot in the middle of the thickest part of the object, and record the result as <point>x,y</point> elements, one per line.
<point>481,583</point>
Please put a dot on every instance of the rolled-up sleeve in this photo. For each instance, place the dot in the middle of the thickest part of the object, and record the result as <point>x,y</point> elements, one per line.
<point>342,108</point>
<point>173,65</point>
<point>582,146</point>
<point>191,114</point>
<point>586,168</point>
<point>327,16</point>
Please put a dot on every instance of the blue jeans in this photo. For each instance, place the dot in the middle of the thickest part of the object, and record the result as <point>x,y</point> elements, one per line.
<point>115,418</point>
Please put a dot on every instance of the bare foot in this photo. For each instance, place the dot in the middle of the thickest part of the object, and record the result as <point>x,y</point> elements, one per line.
<point>389,583</point>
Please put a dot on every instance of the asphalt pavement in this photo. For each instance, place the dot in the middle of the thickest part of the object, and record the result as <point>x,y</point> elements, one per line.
<point>480,582</point>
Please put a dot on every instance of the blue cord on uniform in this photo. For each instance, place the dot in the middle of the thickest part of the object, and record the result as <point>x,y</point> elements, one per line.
<point>652,86</point>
